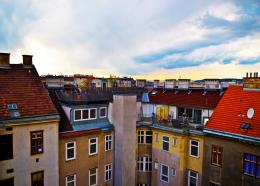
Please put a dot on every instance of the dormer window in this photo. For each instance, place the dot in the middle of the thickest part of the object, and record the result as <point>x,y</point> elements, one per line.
<point>13,110</point>
<point>102,112</point>
<point>85,114</point>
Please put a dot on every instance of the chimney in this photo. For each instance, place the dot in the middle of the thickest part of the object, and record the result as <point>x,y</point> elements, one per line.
<point>247,74</point>
<point>4,59</point>
<point>27,60</point>
<point>250,74</point>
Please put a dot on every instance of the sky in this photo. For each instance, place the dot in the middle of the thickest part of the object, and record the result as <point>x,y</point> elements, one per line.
<point>149,39</point>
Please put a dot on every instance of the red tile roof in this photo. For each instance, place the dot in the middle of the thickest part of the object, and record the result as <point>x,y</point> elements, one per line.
<point>23,87</point>
<point>231,112</point>
<point>185,98</point>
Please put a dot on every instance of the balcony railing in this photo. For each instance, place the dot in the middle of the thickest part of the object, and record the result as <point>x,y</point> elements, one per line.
<point>180,123</point>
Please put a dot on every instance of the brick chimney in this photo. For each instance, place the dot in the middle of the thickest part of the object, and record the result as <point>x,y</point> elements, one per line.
<point>4,59</point>
<point>27,60</point>
<point>251,81</point>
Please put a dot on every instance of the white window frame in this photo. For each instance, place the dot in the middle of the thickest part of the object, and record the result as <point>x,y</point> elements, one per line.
<point>140,135</point>
<point>73,181</point>
<point>195,146</point>
<point>108,168</point>
<point>108,141</point>
<point>143,160</point>
<point>75,114</point>
<point>166,142</point>
<point>95,113</point>
<point>89,175</point>
<point>161,173</point>
<point>144,135</point>
<point>74,150</point>
<point>81,113</point>
<point>189,176</point>
<point>100,112</point>
<point>89,145</point>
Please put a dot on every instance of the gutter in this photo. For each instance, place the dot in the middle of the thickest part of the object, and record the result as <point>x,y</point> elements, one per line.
<point>232,135</point>
<point>30,119</point>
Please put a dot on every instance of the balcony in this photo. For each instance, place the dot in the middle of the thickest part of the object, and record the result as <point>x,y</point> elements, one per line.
<point>182,123</point>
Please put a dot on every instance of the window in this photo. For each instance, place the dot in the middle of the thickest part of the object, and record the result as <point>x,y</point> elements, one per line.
<point>77,115</point>
<point>141,136</point>
<point>36,142</point>
<point>164,173</point>
<point>108,142</point>
<point>149,137</point>
<point>70,151</point>
<point>93,113</point>
<point>37,178</point>
<point>165,143</point>
<point>252,165</point>
<point>192,178</point>
<point>145,137</point>
<point>93,177</point>
<point>143,184</point>
<point>7,182</point>
<point>102,112</point>
<point>71,180</point>
<point>173,171</point>
<point>197,116</point>
<point>194,148</point>
<point>6,146</point>
<point>108,172</point>
<point>93,144</point>
<point>144,164</point>
<point>216,155</point>
<point>174,142</point>
<point>85,114</point>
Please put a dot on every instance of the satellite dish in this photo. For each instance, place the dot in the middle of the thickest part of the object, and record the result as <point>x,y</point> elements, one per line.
<point>250,113</point>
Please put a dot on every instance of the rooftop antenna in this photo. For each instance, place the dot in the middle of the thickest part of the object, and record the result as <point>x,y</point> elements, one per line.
<point>250,113</point>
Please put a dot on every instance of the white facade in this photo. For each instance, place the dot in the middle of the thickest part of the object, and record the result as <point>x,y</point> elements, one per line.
<point>23,163</point>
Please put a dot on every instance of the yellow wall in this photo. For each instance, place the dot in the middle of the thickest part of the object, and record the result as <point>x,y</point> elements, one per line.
<point>181,149</point>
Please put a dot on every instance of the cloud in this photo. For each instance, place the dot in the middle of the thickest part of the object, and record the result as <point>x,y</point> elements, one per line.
<point>130,38</point>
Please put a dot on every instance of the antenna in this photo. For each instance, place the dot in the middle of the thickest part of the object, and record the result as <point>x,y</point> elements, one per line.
<point>250,113</point>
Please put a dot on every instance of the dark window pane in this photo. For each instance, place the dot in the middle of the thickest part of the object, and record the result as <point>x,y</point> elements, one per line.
<point>166,146</point>
<point>77,114</point>
<point>7,182</point>
<point>92,113</point>
<point>37,178</point>
<point>149,139</point>
<point>194,151</point>
<point>103,112</point>
<point>70,153</point>
<point>6,146</point>
<point>85,114</point>
<point>36,142</point>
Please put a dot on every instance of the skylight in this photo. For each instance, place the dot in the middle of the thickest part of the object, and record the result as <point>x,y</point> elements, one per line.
<point>245,126</point>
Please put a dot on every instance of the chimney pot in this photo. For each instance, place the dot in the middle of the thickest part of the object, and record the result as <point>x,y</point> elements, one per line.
<point>250,74</point>
<point>27,60</point>
<point>4,59</point>
<point>247,74</point>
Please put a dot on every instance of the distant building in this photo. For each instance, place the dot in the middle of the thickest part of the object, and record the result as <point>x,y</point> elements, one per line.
<point>140,83</point>
<point>28,127</point>
<point>232,138</point>
<point>170,83</point>
<point>184,83</point>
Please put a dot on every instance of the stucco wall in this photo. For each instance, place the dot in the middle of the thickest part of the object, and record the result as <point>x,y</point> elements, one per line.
<point>24,163</point>
<point>124,120</point>
<point>231,172</point>
<point>83,162</point>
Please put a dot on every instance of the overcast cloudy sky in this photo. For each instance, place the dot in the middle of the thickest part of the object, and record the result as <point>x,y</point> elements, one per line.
<point>154,39</point>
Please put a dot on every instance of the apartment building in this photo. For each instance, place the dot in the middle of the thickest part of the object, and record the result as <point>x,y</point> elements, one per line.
<point>86,140</point>
<point>232,138</point>
<point>169,133</point>
<point>28,127</point>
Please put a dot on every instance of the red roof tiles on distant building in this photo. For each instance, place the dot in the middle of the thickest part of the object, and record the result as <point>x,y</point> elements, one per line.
<point>186,98</point>
<point>231,112</point>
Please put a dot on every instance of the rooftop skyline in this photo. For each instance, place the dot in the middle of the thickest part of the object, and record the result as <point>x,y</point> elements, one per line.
<point>141,38</point>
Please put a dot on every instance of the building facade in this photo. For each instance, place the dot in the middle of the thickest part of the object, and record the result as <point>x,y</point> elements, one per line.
<point>28,127</point>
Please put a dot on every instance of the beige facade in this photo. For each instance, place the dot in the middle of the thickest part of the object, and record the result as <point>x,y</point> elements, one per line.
<point>23,163</point>
<point>83,162</point>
